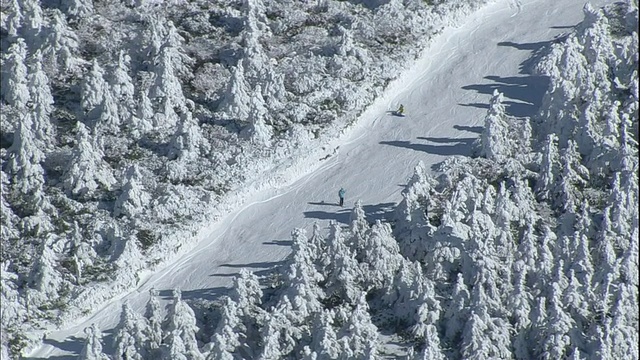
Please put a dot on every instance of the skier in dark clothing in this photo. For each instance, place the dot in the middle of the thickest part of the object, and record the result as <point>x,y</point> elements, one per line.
<point>341,196</point>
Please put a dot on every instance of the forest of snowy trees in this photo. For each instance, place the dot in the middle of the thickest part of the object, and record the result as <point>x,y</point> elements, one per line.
<point>127,125</point>
<point>527,251</point>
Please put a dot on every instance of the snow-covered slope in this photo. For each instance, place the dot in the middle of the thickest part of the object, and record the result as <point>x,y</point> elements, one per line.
<point>445,96</point>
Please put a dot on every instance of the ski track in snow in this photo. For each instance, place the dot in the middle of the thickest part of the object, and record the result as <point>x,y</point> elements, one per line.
<point>445,94</point>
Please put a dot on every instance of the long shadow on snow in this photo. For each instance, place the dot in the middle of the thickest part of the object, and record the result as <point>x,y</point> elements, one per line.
<point>279,242</point>
<point>73,345</point>
<point>372,213</point>
<point>523,94</point>
<point>475,129</point>
<point>197,294</point>
<point>456,146</point>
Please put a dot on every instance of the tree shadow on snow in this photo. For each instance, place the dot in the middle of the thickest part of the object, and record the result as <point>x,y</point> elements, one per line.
<point>73,345</point>
<point>523,94</point>
<point>372,213</point>
<point>279,242</point>
<point>453,147</point>
<point>323,203</point>
<point>475,129</point>
<point>197,294</point>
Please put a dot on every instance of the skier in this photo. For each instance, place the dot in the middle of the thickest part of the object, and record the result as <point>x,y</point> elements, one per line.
<point>400,110</point>
<point>341,196</point>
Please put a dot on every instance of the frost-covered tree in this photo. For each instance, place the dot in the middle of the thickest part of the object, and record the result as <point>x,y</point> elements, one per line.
<point>24,169</point>
<point>33,21</point>
<point>230,330</point>
<point>340,267</point>
<point>258,131</point>
<point>236,99</point>
<point>41,104</point>
<point>153,315</point>
<point>495,136</point>
<point>142,122</point>
<point>13,17</point>
<point>324,338</point>
<point>187,142</point>
<point>45,277</point>
<point>382,256</point>
<point>432,349</point>
<point>87,171</point>
<point>122,88</point>
<point>130,338</point>
<point>457,310</point>
<point>549,169</point>
<point>93,90</point>
<point>15,89</point>
<point>77,9</point>
<point>92,349</point>
<point>61,48</point>
<point>182,323</point>
<point>12,312</point>
<point>134,198</point>
<point>360,332</point>
<point>560,333</point>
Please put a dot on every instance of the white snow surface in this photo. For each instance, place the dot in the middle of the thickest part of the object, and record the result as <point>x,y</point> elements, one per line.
<point>445,95</point>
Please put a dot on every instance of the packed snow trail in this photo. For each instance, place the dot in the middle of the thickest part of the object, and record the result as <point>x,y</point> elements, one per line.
<point>445,95</point>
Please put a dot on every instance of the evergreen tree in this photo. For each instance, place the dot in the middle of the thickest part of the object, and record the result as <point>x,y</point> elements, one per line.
<point>15,89</point>
<point>182,323</point>
<point>93,90</point>
<point>130,336</point>
<point>236,99</point>
<point>61,49</point>
<point>324,338</point>
<point>359,330</point>
<point>13,17</point>
<point>495,137</point>
<point>33,21</point>
<point>154,317</point>
<point>87,171</point>
<point>134,197</point>
<point>78,9</point>
<point>457,310</point>
<point>560,331</point>
<point>549,169</point>
<point>41,102</point>
<point>93,347</point>
<point>258,131</point>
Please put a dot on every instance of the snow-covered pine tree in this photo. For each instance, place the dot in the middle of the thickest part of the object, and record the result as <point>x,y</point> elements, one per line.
<point>77,9</point>
<point>61,49</point>
<point>230,333</point>
<point>153,315</point>
<point>324,339</point>
<point>359,331</point>
<point>432,349</point>
<point>254,61</point>
<point>87,171</point>
<point>560,334</point>
<point>12,312</point>
<point>130,340</point>
<point>381,257</point>
<point>457,310</point>
<point>15,89</point>
<point>33,21</point>
<point>92,349</point>
<point>93,90</point>
<point>134,197</point>
<point>258,131</point>
<point>549,169</point>
<point>301,280</point>
<point>412,225</point>
<point>340,268</point>
<point>236,99</point>
<point>142,122</point>
<point>13,17</point>
<point>182,323</point>
<point>122,88</point>
<point>26,194</point>
<point>218,349</point>
<point>41,104</point>
<point>45,278</point>
<point>495,136</point>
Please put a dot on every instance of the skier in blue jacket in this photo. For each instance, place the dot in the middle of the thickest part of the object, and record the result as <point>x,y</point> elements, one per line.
<point>341,196</point>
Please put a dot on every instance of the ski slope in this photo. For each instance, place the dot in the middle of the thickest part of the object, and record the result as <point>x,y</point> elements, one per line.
<point>445,95</point>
